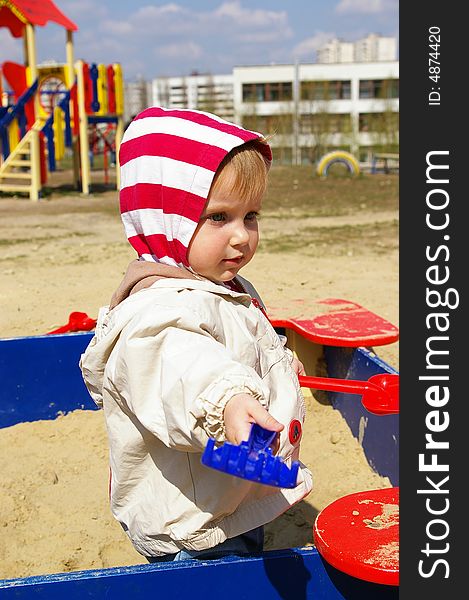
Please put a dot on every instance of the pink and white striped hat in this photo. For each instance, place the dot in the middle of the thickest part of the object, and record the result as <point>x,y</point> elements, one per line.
<point>168,159</point>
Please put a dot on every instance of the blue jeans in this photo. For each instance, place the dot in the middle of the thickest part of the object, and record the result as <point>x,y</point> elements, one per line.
<point>251,541</point>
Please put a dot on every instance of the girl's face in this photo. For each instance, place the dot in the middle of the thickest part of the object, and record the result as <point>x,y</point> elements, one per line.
<point>227,234</point>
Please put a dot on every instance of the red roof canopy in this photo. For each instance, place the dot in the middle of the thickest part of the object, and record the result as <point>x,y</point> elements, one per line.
<point>15,13</point>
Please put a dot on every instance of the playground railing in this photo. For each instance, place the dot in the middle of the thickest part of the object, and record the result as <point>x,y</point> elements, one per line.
<point>18,112</point>
<point>48,129</point>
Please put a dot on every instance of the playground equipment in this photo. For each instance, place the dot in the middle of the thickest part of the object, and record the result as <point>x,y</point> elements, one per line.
<point>351,558</point>
<point>337,157</point>
<point>385,163</point>
<point>252,460</point>
<point>380,394</point>
<point>48,108</point>
<point>359,535</point>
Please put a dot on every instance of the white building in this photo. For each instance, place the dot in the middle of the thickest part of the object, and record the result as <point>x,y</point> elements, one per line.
<point>310,109</point>
<point>373,48</point>
<point>307,109</point>
<point>137,96</point>
<point>211,93</point>
<point>335,51</point>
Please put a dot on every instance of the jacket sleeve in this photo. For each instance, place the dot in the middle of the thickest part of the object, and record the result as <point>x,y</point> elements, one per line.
<point>175,378</point>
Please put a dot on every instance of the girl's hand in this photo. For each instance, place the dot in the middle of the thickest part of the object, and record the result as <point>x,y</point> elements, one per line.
<point>241,412</point>
<point>298,366</point>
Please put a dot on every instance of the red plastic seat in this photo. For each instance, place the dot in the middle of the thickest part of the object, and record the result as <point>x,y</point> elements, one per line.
<point>358,534</point>
<point>342,323</point>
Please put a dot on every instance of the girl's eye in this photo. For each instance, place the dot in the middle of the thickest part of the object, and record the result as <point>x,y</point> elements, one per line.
<point>252,216</point>
<point>217,217</point>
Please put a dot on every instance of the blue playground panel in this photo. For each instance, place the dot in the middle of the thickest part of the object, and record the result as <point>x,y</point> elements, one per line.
<point>41,379</point>
<point>377,434</point>
<point>296,574</point>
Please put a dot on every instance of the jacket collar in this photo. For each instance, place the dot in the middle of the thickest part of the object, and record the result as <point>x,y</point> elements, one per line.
<point>142,274</point>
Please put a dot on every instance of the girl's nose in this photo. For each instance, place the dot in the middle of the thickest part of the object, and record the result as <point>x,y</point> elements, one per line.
<point>239,234</point>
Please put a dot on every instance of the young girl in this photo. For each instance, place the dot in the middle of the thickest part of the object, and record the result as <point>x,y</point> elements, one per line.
<point>184,352</point>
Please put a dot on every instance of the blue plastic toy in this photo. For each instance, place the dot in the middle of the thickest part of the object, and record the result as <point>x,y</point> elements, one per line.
<point>252,460</point>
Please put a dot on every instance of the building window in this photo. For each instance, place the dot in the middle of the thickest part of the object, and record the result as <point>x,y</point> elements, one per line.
<point>267,92</point>
<point>378,122</point>
<point>379,88</point>
<point>325,90</point>
<point>325,123</point>
<point>307,155</point>
<point>282,155</point>
<point>269,124</point>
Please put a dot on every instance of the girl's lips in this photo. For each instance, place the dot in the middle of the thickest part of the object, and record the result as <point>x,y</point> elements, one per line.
<point>233,260</point>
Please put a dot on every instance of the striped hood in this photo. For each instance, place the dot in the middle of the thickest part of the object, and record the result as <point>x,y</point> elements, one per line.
<point>168,159</point>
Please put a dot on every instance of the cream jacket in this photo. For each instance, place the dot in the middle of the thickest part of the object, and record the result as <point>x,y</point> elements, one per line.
<point>163,364</point>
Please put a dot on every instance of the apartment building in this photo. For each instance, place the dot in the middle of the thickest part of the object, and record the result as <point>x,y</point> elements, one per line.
<point>335,51</point>
<point>310,109</point>
<point>307,109</point>
<point>373,48</point>
<point>137,96</point>
<point>211,93</point>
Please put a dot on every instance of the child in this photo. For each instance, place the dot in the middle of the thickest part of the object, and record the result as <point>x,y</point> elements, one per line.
<point>184,351</point>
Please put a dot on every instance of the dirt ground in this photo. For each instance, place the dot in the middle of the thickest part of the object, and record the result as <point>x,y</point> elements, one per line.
<point>67,253</point>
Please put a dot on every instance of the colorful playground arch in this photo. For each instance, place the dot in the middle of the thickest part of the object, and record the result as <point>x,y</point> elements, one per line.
<point>334,157</point>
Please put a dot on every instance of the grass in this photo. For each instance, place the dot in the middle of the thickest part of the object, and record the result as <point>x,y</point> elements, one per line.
<point>43,239</point>
<point>298,188</point>
<point>335,241</point>
<point>290,188</point>
<point>295,196</point>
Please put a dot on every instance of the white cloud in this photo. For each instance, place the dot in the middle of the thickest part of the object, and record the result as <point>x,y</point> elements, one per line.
<point>230,19</point>
<point>263,37</point>
<point>163,21</point>
<point>82,9</point>
<point>365,6</point>
<point>250,17</point>
<point>189,49</point>
<point>171,8</point>
<point>12,48</point>
<point>308,47</point>
<point>185,33</point>
<point>118,27</point>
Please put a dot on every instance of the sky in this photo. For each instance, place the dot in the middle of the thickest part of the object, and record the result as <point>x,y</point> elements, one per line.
<point>155,39</point>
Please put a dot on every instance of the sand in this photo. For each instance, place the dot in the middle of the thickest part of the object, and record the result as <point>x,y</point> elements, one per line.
<point>54,513</point>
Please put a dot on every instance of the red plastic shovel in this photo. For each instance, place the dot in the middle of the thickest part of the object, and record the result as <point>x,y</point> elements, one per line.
<point>77,321</point>
<point>380,394</point>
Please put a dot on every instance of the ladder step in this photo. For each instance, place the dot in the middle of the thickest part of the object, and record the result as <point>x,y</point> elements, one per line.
<point>11,187</point>
<point>14,175</point>
<point>20,163</point>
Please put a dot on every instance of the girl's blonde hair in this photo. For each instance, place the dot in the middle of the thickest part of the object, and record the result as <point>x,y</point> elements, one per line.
<point>247,171</point>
